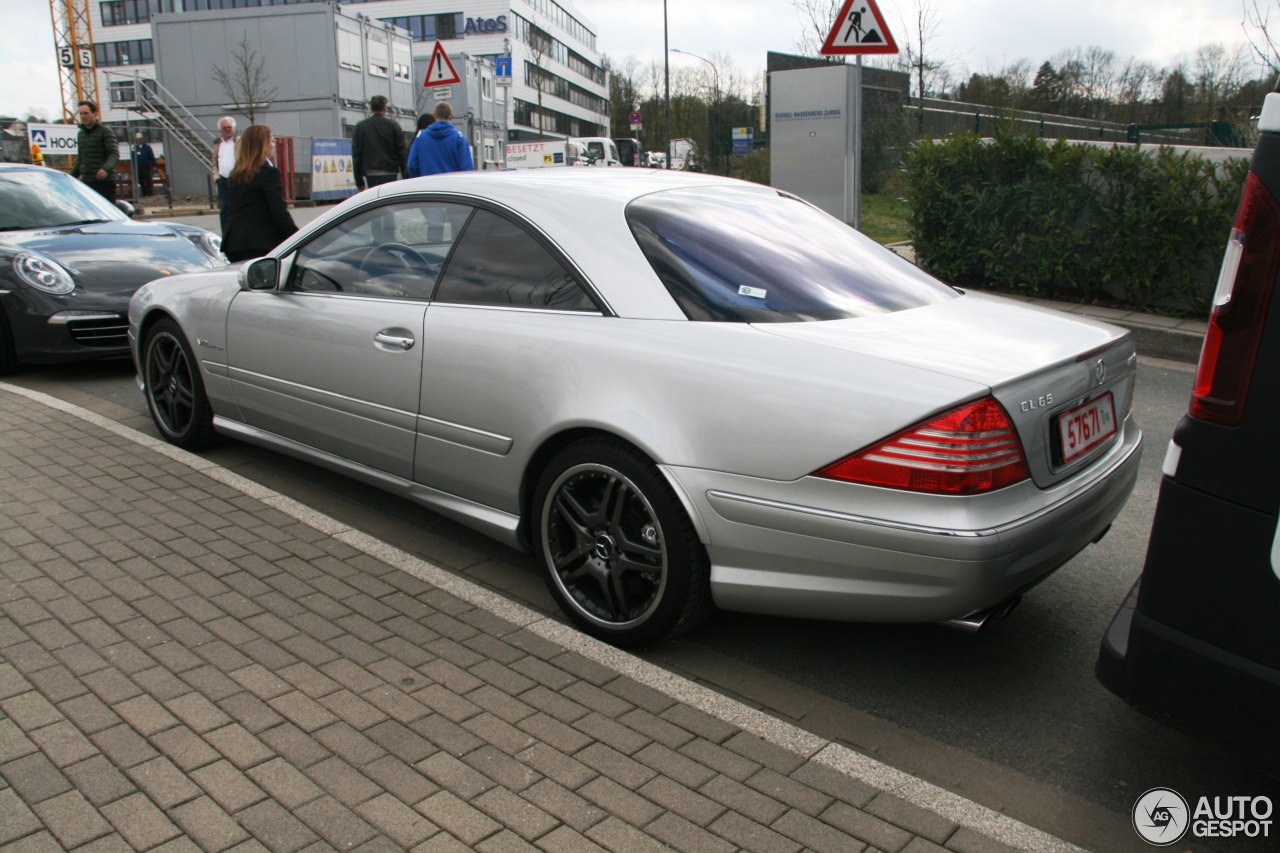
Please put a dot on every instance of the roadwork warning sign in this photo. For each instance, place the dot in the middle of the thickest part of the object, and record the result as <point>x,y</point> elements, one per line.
<point>859,28</point>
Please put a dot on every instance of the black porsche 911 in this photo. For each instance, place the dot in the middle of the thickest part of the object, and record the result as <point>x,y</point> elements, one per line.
<point>70,260</point>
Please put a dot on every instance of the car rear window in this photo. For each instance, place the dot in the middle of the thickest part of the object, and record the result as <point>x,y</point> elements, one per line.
<point>743,256</point>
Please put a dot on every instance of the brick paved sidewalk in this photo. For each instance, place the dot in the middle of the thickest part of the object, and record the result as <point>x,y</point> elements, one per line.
<point>189,661</point>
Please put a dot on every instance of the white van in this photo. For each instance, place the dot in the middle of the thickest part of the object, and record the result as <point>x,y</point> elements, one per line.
<point>551,152</point>
<point>601,148</point>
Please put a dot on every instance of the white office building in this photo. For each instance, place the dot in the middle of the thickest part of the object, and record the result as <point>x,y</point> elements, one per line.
<point>552,48</point>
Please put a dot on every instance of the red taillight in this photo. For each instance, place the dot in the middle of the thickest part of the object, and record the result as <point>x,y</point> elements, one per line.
<point>970,449</point>
<point>1240,306</point>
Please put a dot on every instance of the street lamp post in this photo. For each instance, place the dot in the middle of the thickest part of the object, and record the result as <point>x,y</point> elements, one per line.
<point>666,103</point>
<point>711,128</point>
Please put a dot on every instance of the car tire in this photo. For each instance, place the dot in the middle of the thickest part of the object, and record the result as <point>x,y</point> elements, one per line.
<point>174,388</point>
<point>8,352</point>
<point>620,555</point>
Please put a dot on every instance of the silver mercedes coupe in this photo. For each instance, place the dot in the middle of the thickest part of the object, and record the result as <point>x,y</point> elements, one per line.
<point>677,391</point>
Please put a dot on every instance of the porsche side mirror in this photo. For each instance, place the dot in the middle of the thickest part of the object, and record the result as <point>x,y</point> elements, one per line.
<point>261,274</point>
<point>125,208</point>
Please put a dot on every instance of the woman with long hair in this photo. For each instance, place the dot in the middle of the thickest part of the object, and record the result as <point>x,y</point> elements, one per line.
<point>257,217</point>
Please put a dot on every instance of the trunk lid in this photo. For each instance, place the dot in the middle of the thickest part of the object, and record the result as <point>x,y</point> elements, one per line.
<point>1038,363</point>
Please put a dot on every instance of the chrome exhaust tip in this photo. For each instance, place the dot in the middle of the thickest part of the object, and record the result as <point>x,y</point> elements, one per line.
<point>974,622</point>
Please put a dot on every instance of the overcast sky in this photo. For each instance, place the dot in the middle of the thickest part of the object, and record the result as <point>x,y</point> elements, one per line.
<point>979,35</point>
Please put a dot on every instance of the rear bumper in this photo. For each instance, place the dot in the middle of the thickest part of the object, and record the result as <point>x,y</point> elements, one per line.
<point>1198,688</point>
<point>822,559</point>
<point>1195,643</point>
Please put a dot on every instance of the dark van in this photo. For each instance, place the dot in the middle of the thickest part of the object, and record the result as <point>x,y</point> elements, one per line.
<point>1197,642</point>
<point>631,152</point>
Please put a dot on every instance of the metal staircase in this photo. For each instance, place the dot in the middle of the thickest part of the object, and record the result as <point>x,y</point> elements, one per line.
<point>148,97</point>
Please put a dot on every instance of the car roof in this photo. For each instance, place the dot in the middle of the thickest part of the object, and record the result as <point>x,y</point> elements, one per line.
<point>620,186</point>
<point>583,212</point>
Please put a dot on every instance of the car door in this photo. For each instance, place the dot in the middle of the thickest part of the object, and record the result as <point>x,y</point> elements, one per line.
<point>506,306</point>
<point>333,358</point>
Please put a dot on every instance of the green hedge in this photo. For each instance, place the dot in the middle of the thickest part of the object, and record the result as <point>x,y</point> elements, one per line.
<point>1078,223</point>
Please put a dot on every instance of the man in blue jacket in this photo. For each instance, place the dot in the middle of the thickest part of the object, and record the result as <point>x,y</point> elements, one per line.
<point>440,148</point>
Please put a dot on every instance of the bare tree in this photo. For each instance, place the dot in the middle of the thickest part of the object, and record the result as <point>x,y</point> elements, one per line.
<point>540,46</point>
<point>922,24</point>
<point>1219,74</point>
<point>624,92</point>
<point>817,17</point>
<point>1256,25</point>
<point>1138,84</point>
<point>245,84</point>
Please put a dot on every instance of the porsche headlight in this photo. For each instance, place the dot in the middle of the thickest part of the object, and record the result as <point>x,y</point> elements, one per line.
<point>43,273</point>
<point>207,242</point>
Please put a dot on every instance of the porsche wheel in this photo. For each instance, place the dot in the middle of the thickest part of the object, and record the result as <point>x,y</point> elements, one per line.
<point>174,388</point>
<point>621,557</point>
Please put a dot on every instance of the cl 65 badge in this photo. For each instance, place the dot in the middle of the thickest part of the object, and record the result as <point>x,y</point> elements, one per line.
<point>1036,403</point>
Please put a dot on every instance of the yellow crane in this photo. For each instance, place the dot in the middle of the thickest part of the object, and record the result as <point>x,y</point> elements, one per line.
<point>73,36</point>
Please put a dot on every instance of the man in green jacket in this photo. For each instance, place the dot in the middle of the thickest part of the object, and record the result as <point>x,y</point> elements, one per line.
<point>97,152</point>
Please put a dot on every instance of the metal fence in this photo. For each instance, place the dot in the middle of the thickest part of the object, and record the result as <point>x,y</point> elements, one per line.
<point>942,118</point>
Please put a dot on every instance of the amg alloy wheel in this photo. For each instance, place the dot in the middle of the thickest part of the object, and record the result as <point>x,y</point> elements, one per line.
<point>174,389</point>
<point>622,559</point>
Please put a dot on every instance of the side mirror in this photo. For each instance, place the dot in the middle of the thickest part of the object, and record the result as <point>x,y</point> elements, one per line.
<point>125,208</point>
<point>261,274</point>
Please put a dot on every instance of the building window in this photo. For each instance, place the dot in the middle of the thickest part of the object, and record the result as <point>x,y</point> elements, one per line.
<point>114,53</point>
<point>525,114</point>
<point>403,64</point>
<point>349,50</point>
<point>429,27</point>
<point>551,84</point>
<point>447,26</point>
<point>377,48</point>
<point>117,13</point>
<point>564,20</point>
<point>122,92</point>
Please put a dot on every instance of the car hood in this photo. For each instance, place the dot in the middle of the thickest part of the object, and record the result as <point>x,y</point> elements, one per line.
<point>985,339</point>
<point>119,254</point>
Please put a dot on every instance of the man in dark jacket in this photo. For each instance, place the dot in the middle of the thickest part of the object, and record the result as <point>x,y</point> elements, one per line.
<point>377,147</point>
<point>440,148</point>
<point>97,152</point>
<point>145,156</point>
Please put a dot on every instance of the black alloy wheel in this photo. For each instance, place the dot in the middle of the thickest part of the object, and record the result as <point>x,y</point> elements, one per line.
<point>174,388</point>
<point>621,556</point>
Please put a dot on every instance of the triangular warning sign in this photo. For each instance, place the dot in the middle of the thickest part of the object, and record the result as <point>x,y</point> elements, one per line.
<point>441,71</point>
<point>859,28</point>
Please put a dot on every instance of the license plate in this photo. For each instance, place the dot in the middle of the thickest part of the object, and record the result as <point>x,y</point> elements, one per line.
<point>1087,426</point>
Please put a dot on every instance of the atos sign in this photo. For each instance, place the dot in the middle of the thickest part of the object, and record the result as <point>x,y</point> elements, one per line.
<point>485,26</point>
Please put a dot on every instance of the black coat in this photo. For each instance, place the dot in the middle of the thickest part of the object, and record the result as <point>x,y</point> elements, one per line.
<point>257,217</point>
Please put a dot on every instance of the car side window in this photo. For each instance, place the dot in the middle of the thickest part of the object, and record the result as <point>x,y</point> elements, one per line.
<point>393,251</point>
<point>497,262</point>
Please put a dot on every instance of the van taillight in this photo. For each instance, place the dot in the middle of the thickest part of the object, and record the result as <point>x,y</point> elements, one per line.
<point>1240,305</point>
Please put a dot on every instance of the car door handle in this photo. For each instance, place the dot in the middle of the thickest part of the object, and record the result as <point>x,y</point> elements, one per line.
<point>393,340</point>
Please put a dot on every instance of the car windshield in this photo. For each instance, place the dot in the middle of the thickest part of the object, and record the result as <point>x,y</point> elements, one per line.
<point>739,255</point>
<point>46,198</point>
